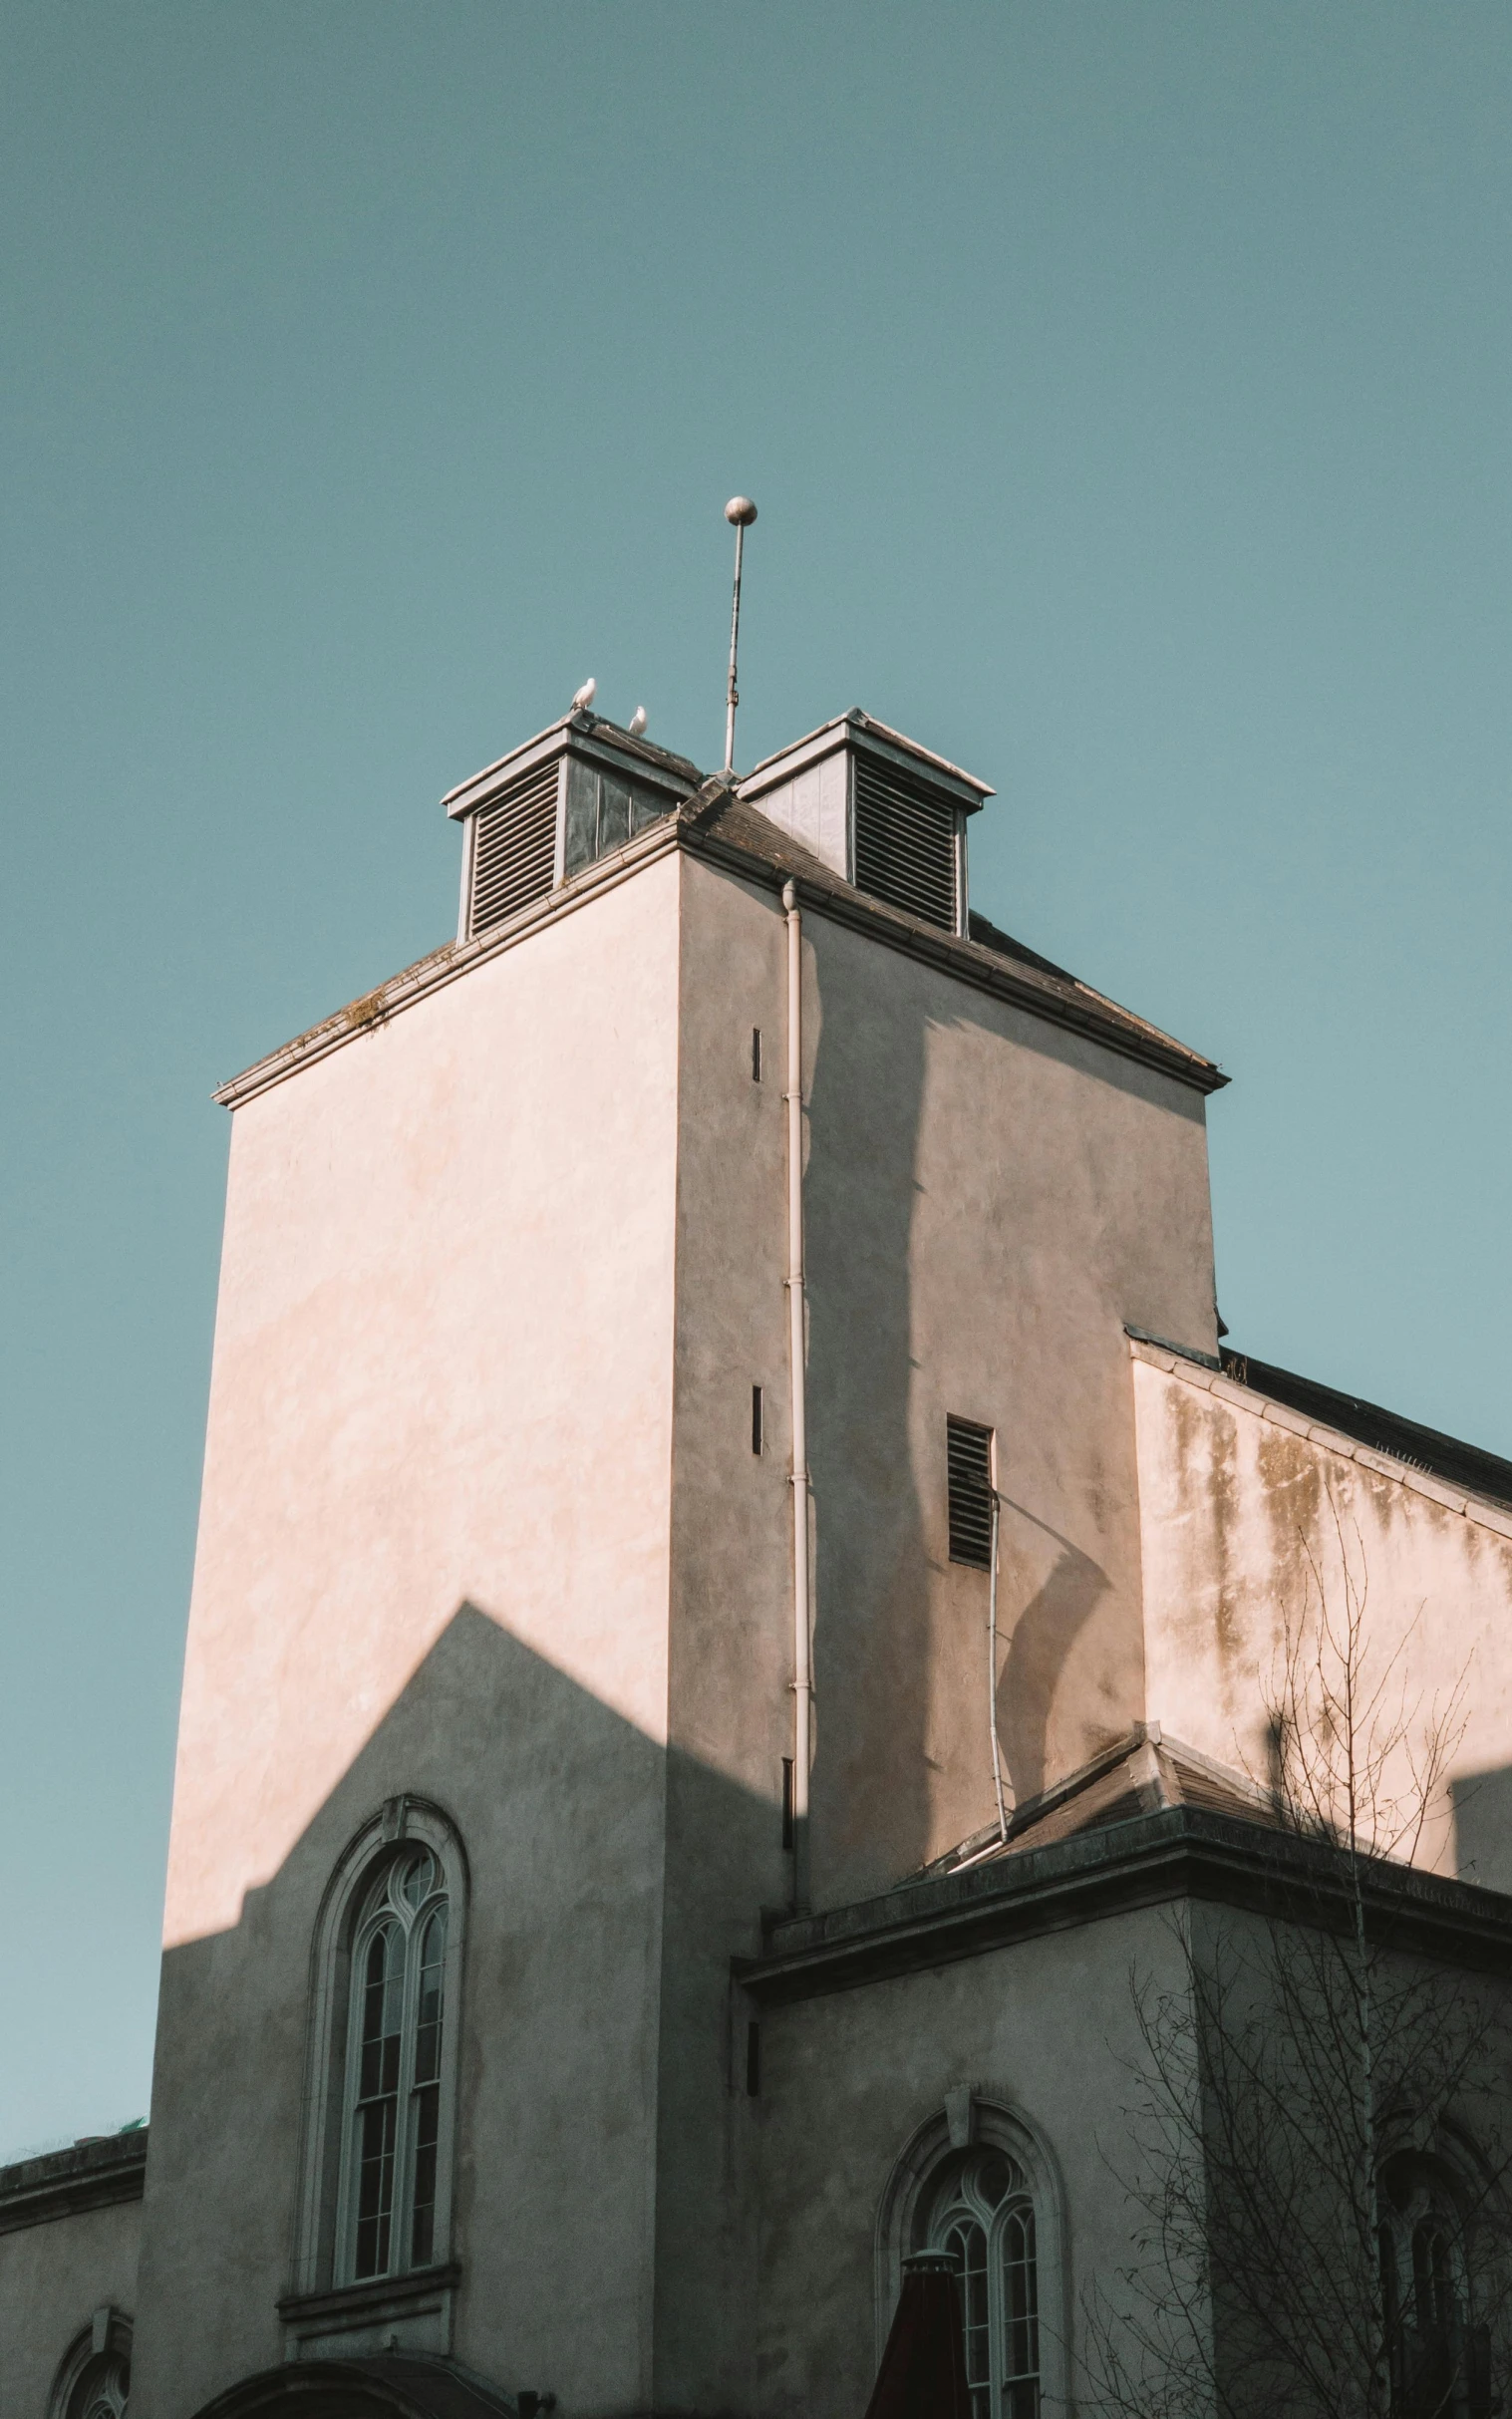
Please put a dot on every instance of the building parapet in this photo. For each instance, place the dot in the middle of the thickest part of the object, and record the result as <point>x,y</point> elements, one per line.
<point>92,2172</point>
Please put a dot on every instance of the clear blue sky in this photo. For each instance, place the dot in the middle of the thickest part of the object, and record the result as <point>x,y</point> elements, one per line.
<point>1126,392</point>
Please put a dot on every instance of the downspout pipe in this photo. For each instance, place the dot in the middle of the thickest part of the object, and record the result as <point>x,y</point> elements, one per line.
<point>803,1626</point>
<point>992,1662</point>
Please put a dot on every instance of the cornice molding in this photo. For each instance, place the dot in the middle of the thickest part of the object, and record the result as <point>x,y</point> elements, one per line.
<point>1148,1860</point>
<point>64,2183</point>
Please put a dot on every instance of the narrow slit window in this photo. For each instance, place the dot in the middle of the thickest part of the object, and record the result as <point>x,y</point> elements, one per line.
<point>787,1830</point>
<point>969,1466</point>
<point>756,1053</point>
<point>758,1420</point>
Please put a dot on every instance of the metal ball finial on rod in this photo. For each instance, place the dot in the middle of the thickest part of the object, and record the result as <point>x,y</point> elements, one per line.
<point>741,513</point>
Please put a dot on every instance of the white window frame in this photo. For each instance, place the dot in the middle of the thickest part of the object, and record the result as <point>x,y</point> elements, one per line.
<point>974,2120</point>
<point>967,2203</point>
<point>392,1910</point>
<point>325,2233</point>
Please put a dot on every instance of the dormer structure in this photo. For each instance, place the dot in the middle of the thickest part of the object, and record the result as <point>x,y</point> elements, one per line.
<point>885,814</point>
<point>576,792</point>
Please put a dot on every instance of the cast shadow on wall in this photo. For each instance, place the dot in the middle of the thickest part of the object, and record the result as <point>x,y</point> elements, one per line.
<point>1041,1644</point>
<point>571,1820</point>
<point>1481,1804</point>
<point>876,1562</point>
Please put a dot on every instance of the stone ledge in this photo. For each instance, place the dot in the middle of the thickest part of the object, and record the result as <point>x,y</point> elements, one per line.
<point>1144,1860</point>
<point>92,2174</point>
<point>376,2294</point>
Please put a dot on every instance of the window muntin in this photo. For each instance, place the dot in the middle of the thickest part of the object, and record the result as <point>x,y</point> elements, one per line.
<point>984,2216</point>
<point>393,2070</point>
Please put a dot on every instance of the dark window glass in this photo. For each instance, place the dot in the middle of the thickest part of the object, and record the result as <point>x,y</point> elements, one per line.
<point>1020,2317</point>
<point>613,816</point>
<point>378,2097</point>
<point>581,837</point>
<point>426,2096</point>
<point>967,2240</point>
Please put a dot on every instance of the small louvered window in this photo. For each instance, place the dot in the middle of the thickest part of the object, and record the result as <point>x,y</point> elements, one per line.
<point>968,1462</point>
<point>514,848</point>
<point>905,845</point>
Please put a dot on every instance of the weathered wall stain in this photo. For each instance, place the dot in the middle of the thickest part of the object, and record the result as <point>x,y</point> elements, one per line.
<point>1248,1528</point>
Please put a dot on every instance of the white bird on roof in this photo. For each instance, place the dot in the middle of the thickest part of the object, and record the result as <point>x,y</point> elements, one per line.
<point>637,722</point>
<point>585,697</point>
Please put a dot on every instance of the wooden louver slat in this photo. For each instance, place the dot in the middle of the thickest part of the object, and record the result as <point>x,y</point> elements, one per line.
<point>514,848</point>
<point>905,845</point>
<point>967,1457</point>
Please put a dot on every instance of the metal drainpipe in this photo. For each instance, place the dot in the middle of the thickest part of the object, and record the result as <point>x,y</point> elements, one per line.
<point>803,1653</point>
<point>991,1666</point>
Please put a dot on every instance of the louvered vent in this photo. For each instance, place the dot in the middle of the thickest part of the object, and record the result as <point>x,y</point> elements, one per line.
<point>905,843</point>
<point>514,847</point>
<point>968,1462</point>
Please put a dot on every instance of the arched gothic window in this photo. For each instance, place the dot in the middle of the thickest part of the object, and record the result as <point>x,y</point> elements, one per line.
<point>979,2183</point>
<point>376,2155</point>
<point>984,2216</point>
<point>396,2032</point>
<point>95,2374</point>
<point>1439,2356</point>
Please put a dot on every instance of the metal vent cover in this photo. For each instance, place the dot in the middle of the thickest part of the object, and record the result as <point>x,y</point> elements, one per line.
<point>906,845</point>
<point>969,1467</point>
<point>514,848</point>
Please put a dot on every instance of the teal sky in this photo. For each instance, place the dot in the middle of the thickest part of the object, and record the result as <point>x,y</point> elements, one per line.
<point>1124,390</point>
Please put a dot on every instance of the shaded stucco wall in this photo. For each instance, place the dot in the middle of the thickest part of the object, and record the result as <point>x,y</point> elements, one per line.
<point>1246,1515</point>
<point>433,1558</point>
<point>730,1706</point>
<point>1045,2029</point>
<point>481,1524</point>
<point>53,2278</point>
<point>988,1199</point>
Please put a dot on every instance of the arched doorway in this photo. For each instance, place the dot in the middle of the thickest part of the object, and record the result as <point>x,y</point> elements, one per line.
<point>387,2385</point>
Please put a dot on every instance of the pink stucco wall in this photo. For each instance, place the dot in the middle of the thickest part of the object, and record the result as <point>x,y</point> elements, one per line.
<point>441,1375</point>
<point>1246,1517</point>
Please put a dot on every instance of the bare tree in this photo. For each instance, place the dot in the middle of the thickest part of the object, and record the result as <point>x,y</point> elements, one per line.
<point>1316,2144</point>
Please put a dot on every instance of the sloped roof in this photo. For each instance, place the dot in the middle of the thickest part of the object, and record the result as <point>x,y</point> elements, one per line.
<point>717,823</point>
<point>716,815</point>
<point>1142,1773</point>
<point>1465,1465</point>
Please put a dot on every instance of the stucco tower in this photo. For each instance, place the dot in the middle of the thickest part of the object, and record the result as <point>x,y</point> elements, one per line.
<point>496,1569</point>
